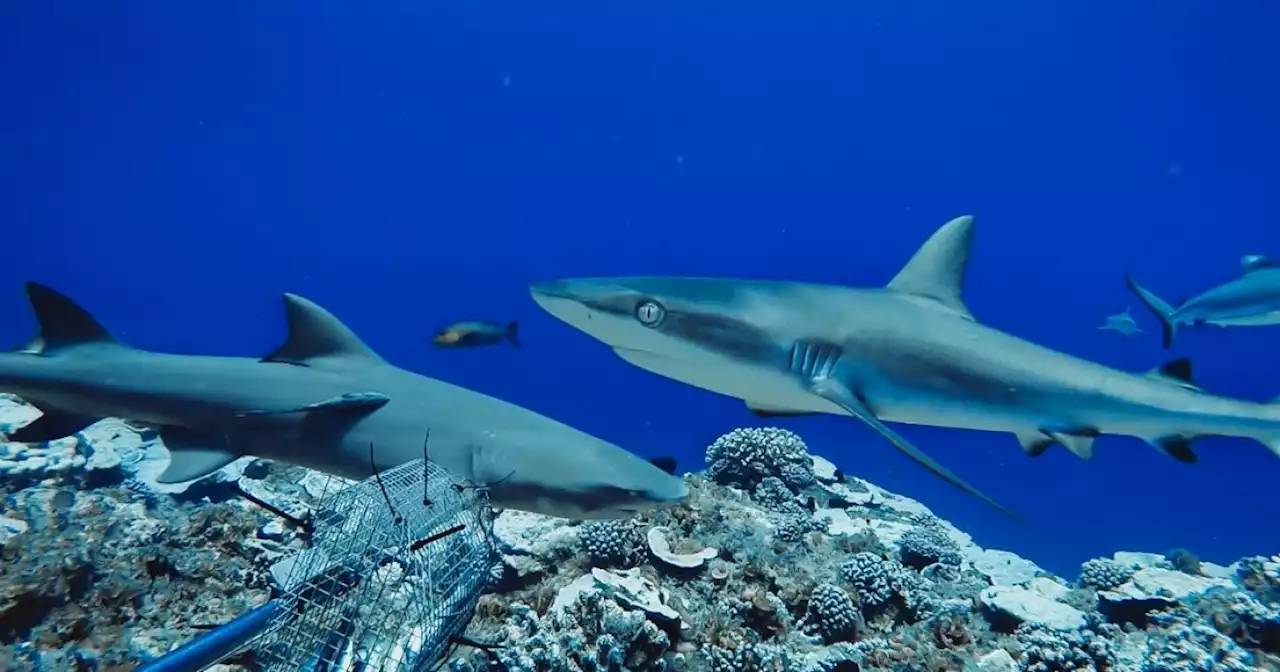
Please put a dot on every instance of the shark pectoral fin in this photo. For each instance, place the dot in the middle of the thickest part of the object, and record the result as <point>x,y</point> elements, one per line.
<point>192,464</point>
<point>351,401</point>
<point>766,411</point>
<point>1176,446</point>
<point>51,426</point>
<point>317,336</point>
<point>840,395</point>
<point>194,455</point>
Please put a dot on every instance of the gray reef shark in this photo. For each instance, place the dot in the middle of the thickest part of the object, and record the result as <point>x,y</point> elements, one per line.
<point>1251,300</point>
<point>909,352</point>
<point>323,400</point>
<point>1122,323</point>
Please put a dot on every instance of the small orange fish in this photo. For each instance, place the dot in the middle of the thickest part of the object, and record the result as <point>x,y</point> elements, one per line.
<point>472,333</point>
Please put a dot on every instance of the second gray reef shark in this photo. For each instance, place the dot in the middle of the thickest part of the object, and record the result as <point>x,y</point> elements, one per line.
<point>323,400</point>
<point>1251,300</point>
<point>910,352</point>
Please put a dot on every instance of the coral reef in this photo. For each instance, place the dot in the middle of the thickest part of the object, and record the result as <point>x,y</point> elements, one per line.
<point>777,561</point>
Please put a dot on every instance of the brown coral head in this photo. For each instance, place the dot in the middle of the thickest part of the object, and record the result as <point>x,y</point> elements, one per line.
<point>950,633</point>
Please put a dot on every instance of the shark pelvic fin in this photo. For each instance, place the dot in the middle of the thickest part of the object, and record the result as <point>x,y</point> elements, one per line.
<point>1078,441</point>
<point>194,455</point>
<point>841,396</point>
<point>936,271</point>
<point>316,335</point>
<point>51,426</point>
<point>362,401</point>
<point>1176,446</point>
<point>1035,443</point>
<point>63,323</point>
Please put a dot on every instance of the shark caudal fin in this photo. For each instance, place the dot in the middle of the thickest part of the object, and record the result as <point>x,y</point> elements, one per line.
<point>512,333</point>
<point>1158,307</point>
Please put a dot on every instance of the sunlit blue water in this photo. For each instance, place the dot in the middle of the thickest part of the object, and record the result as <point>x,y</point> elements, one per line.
<point>176,167</point>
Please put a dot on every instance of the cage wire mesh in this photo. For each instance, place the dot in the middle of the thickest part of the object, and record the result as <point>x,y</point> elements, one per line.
<point>397,566</point>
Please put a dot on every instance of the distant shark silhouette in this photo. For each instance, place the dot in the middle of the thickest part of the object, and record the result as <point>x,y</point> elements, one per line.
<point>1252,300</point>
<point>910,352</point>
<point>1122,323</point>
<point>323,400</point>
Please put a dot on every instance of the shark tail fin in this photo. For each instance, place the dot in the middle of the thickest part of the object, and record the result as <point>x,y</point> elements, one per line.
<point>513,333</point>
<point>1158,307</point>
<point>63,323</point>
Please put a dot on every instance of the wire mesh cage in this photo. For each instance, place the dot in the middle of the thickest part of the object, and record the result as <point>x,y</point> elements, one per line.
<point>397,565</point>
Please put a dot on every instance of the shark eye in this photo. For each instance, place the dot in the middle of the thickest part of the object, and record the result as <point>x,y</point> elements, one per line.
<point>650,313</point>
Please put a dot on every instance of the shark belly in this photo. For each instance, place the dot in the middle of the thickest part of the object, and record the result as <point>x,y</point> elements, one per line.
<point>1256,320</point>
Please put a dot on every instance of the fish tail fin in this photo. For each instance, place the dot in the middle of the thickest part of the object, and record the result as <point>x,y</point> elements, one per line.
<point>1158,307</point>
<point>513,333</point>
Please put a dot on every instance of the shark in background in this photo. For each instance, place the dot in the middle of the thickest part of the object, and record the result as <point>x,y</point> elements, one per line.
<point>323,400</point>
<point>1251,300</point>
<point>1123,324</point>
<point>910,352</point>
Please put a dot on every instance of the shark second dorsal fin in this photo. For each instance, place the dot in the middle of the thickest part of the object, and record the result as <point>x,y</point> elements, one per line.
<point>1254,262</point>
<point>936,271</point>
<point>1177,371</point>
<point>315,335</point>
<point>63,322</point>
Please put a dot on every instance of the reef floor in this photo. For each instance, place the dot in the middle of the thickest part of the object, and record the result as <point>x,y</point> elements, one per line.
<point>778,561</point>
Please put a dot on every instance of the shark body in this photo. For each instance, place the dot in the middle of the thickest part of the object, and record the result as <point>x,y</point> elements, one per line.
<point>910,352</point>
<point>323,400</point>
<point>1251,300</point>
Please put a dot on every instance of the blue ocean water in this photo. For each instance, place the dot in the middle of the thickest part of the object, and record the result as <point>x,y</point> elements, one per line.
<point>175,167</point>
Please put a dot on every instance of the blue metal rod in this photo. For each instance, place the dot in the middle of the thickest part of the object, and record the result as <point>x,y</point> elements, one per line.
<point>215,645</point>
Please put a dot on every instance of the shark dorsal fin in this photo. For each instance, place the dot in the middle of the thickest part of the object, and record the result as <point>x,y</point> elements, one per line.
<point>1254,262</point>
<point>315,334</point>
<point>63,322</point>
<point>936,271</point>
<point>1175,370</point>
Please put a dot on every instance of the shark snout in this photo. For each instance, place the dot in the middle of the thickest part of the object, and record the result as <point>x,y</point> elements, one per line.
<point>553,289</point>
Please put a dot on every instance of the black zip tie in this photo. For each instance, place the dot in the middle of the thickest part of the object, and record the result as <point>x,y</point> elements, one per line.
<point>377,475</point>
<point>417,545</point>
<point>306,527</point>
<point>426,470</point>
